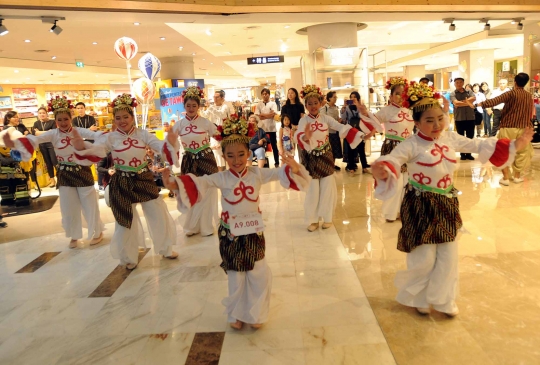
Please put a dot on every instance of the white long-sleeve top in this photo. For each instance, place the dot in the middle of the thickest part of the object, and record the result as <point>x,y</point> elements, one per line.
<point>320,126</point>
<point>431,163</point>
<point>398,122</point>
<point>239,192</point>
<point>128,150</point>
<point>195,133</point>
<point>61,140</point>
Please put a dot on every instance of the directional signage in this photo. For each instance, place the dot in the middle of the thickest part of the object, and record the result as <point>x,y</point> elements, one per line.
<point>265,60</point>
<point>79,64</point>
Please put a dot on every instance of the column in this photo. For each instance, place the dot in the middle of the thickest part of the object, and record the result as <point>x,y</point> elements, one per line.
<point>414,73</point>
<point>531,49</point>
<point>177,68</point>
<point>477,66</point>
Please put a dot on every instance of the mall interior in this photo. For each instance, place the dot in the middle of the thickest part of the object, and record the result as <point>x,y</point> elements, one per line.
<point>333,291</point>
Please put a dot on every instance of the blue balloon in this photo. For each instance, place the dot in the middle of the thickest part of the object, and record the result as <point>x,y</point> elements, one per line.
<point>149,65</point>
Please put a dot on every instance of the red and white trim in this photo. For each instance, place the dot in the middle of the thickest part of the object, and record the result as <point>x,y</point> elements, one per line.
<point>500,152</point>
<point>299,181</point>
<point>171,154</point>
<point>93,153</point>
<point>424,137</point>
<point>353,136</point>
<point>91,158</point>
<point>385,189</point>
<point>24,146</point>
<point>241,174</point>
<point>187,194</point>
<point>191,119</point>
<point>300,141</point>
<point>128,133</point>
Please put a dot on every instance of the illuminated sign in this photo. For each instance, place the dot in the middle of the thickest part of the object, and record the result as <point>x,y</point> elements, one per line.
<point>79,64</point>
<point>265,60</point>
<point>341,56</point>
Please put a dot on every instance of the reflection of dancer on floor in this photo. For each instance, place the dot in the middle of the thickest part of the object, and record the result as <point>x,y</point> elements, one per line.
<point>242,249</point>
<point>312,137</point>
<point>198,159</point>
<point>133,183</point>
<point>398,125</point>
<point>75,179</point>
<point>430,209</point>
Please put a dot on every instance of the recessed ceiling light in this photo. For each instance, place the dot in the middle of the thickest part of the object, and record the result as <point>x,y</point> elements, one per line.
<point>219,44</point>
<point>16,71</point>
<point>27,41</point>
<point>287,26</point>
<point>193,54</point>
<point>136,23</point>
<point>94,43</point>
<point>53,57</point>
<point>180,48</point>
<point>228,52</point>
<point>204,59</point>
<point>208,32</point>
<point>211,63</point>
<point>162,38</point>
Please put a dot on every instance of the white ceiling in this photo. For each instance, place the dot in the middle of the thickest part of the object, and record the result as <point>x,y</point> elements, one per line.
<point>221,65</point>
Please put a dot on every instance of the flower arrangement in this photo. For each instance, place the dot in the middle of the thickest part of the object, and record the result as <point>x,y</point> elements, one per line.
<point>122,100</point>
<point>395,81</point>
<point>59,103</point>
<point>193,91</point>
<point>235,128</point>
<point>310,89</point>
<point>416,95</point>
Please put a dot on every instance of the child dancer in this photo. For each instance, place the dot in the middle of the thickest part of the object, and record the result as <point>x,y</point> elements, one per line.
<point>133,183</point>
<point>199,160</point>
<point>399,125</point>
<point>286,144</point>
<point>241,238</point>
<point>312,137</point>
<point>75,179</point>
<point>430,209</point>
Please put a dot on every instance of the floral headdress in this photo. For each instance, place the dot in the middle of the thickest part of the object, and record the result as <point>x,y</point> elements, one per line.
<point>310,89</point>
<point>235,129</point>
<point>420,97</point>
<point>193,92</point>
<point>59,105</point>
<point>123,102</point>
<point>395,81</point>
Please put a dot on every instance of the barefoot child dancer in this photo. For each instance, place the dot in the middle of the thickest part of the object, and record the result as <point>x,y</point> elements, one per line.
<point>241,238</point>
<point>312,138</point>
<point>430,209</point>
<point>133,183</point>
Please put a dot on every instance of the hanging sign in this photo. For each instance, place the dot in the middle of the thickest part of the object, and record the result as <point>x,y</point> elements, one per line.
<point>265,60</point>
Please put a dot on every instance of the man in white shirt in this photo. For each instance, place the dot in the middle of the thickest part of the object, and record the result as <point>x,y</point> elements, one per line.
<point>216,113</point>
<point>503,87</point>
<point>266,110</point>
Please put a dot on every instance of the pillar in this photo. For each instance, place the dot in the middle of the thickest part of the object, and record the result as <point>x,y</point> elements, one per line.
<point>296,79</point>
<point>531,49</point>
<point>414,73</point>
<point>177,68</point>
<point>477,66</point>
<point>332,35</point>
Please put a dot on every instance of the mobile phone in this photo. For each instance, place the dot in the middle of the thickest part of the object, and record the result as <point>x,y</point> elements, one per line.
<point>349,102</point>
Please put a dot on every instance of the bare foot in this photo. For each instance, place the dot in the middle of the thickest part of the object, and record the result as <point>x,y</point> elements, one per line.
<point>73,243</point>
<point>237,325</point>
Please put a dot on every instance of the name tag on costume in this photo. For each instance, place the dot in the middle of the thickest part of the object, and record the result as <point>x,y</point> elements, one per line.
<point>244,224</point>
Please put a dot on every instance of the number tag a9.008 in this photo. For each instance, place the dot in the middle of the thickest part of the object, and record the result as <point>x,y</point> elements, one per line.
<point>248,223</point>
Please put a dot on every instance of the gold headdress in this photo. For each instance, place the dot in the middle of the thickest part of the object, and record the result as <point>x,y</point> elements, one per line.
<point>123,102</point>
<point>395,81</point>
<point>59,105</point>
<point>310,89</point>
<point>420,97</point>
<point>235,130</point>
<point>193,92</point>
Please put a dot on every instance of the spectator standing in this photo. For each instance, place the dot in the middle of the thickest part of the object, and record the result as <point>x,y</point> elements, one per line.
<point>266,110</point>
<point>277,97</point>
<point>497,109</point>
<point>463,113</point>
<point>82,120</point>
<point>42,125</point>
<point>479,112</point>
<point>294,108</point>
<point>217,113</point>
<point>487,111</point>
<point>332,110</point>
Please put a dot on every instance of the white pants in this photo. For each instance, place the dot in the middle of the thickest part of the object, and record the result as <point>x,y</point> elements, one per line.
<point>200,218</point>
<point>125,242</point>
<point>249,294</point>
<point>72,202</point>
<point>391,207</point>
<point>431,278</point>
<point>321,200</point>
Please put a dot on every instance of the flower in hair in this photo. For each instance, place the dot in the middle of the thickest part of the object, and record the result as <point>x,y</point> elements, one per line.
<point>310,89</point>
<point>193,91</point>
<point>59,103</point>
<point>124,99</point>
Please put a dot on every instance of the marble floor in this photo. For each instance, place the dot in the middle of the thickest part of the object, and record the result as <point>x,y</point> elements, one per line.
<point>332,298</point>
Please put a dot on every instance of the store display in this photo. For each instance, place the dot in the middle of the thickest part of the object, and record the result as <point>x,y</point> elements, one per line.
<point>25,102</point>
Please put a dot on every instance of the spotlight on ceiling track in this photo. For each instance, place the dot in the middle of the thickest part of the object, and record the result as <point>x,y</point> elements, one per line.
<point>3,29</point>
<point>520,26</point>
<point>452,27</point>
<point>56,29</point>
<point>450,21</point>
<point>487,26</point>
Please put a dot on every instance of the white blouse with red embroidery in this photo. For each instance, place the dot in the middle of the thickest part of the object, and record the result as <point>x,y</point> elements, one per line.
<point>61,140</point>
<point>320,126</point>
<point>431,163</point>
<point>239,192</point>
<point>398,122</point>
<point>195,133</point>
<point>128,150</point>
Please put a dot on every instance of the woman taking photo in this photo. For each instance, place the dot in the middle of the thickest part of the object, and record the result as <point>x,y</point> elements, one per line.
<point>42,125</point>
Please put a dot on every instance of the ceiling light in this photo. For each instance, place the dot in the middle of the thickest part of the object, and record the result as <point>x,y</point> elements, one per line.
<point>94,43</point>
<point>180,48</point>
<point>520,26</point>
<point>219,44</point>
<point>193,54</point>
<point>208,32</point>
<point>287,26</point>
<point>53,57</point>
<point>487,26</point>
<point>452,27</point>
<point>136,23</point>
<point>228,52</point>
<point>204,59</point>
<point>27,41</point>
<point>56,29</point>
<point>162,38</point>
<point>16,71</point>
<point>3,29</point>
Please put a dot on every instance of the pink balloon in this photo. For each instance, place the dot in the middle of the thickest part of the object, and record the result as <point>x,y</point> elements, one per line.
<point>125,48</point>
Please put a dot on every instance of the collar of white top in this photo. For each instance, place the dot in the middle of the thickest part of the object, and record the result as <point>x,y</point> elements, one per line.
<point>313,116</point>
<point>394,104</point>
<point>192,118</point>
<point>423,136</point>
<point>130,132</point>
<point>241,174</point>
<point>67,131</point>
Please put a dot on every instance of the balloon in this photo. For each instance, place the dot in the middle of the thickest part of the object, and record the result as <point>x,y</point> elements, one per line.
<point>149,65</point>
<point>144,90</point>
<point>125,48</point>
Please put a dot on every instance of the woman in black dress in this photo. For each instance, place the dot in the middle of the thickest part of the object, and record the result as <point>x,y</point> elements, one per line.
<point>42,125</point>
<point>295,110</point>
